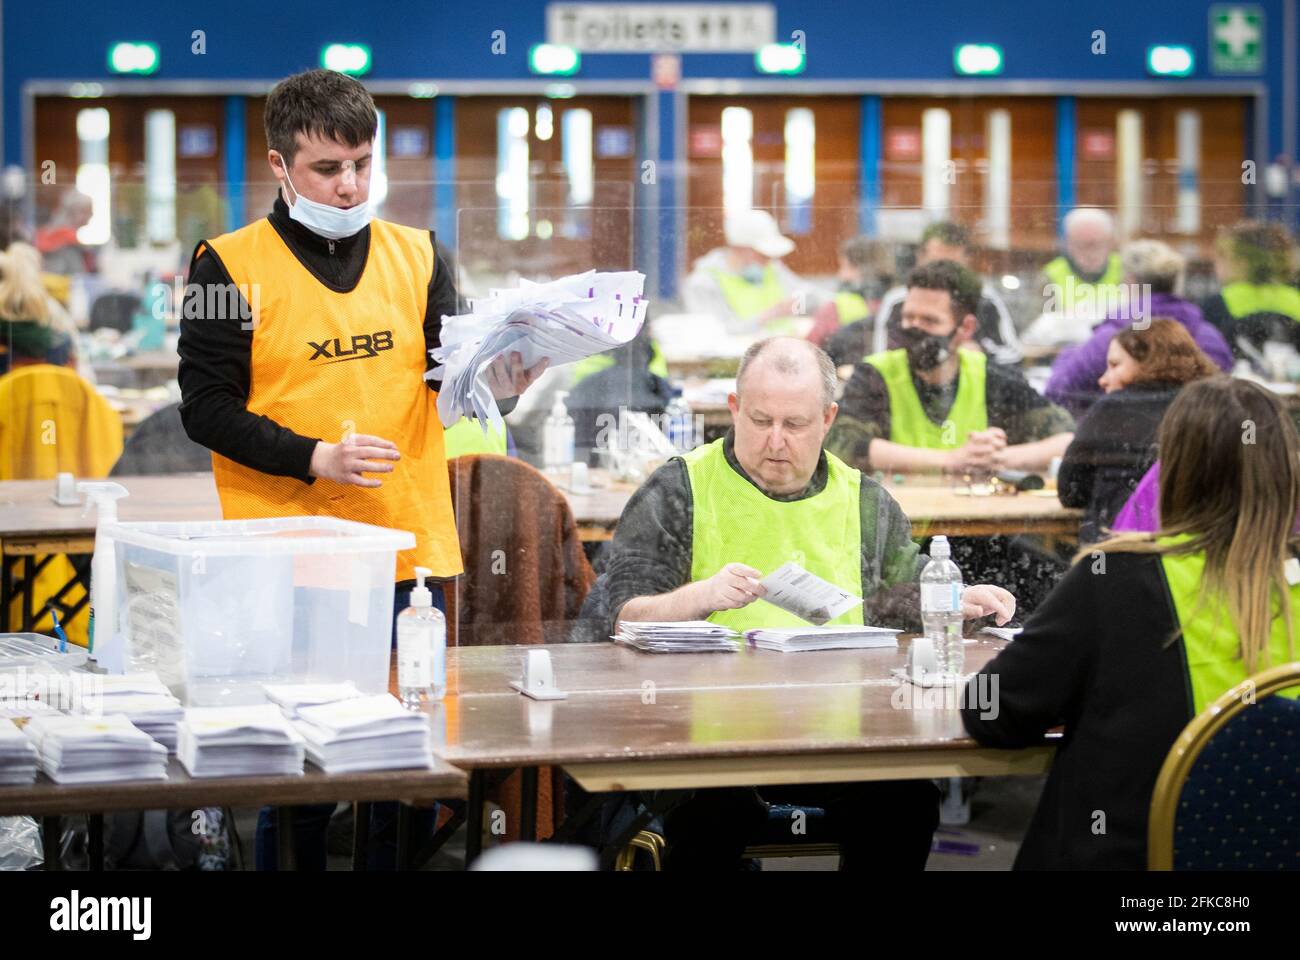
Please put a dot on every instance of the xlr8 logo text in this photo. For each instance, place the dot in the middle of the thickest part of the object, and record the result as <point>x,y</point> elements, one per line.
<point>363,345</point>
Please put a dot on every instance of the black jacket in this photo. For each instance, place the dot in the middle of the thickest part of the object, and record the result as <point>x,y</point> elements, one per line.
<point>1111,450</point>
<point>1096,657</point>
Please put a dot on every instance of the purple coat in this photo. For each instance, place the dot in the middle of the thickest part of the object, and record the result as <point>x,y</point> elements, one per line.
<point>1073,383</point>
<point>1141,512</point>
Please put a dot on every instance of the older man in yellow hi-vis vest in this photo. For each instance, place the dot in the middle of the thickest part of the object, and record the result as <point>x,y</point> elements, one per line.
<point>304,343</point>
<point>696,539</point>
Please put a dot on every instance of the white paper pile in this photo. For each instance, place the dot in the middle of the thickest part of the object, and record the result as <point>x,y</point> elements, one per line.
<point>80,749</point>
<point>291,697</point>
<point>682,636</point>
<point>141,697</point>
<point>369,733</point>
<point>18,756</point>
<point>837,637</point>
<point>566,320</point>
<point>239,741</point>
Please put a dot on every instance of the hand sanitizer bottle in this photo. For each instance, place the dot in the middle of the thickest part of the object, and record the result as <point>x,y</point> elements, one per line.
<point>421,647</point>
<point>557,438</point>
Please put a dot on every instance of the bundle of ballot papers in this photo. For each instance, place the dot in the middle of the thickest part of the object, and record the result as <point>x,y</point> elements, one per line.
<point>837,637</point>
<point>18,756</point>
<point>239,741</point>
<point>83,749</point>
<point>365,733</point>
<point>683,636</point>
<point>141,697</point>
<point>292,697</point>
<point>565,320</point>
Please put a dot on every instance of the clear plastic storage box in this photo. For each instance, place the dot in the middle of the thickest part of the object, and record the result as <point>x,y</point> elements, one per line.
<point>219,608</point>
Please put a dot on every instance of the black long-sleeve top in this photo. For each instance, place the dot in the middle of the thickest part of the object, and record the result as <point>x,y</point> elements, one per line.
<point>1111,450</point>
<point>1096,657</point>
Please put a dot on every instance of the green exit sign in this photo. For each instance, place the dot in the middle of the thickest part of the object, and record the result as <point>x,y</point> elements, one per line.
<point>140,58</point>
<point>977,59</point>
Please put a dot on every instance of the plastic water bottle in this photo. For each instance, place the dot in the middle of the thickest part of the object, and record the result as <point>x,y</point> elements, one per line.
<point>557,438</point>
<point>680,422</point>
<point>941,589</point>
<point>421,647</point>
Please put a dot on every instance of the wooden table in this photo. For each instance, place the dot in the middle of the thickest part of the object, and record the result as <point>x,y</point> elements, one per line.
<point>635,721</point>
<point>51,801</point>
<point>33,528</point>
<point>139,370</point>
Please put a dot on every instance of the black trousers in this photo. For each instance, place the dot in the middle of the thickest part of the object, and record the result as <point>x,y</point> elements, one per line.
<point>888,824</point>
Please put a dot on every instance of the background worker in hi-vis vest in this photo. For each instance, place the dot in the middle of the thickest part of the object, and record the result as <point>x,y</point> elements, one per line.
<point>306,381</point>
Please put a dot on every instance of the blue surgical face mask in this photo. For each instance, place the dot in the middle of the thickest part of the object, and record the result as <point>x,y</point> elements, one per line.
<point>753,273</point>
<point>330,222</point>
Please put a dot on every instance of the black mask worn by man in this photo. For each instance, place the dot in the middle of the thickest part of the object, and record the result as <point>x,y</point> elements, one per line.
<point>925,351</point>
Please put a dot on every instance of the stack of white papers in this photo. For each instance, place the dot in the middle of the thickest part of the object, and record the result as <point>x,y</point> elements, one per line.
<point>839,637</point>
<point>155,714</point>
<point>80,749</point>
<point>239,741</point>
<point>141,697</point>
<point>681,636</point>
<point>291,697</point>
<point>566,320</point>
<point>18,756</point>
<point>368,733</point>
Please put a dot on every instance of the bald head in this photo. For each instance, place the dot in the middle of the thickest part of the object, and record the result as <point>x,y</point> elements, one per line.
<point>1089,237</point>
<point>791,359</point>
<point>782,409</point>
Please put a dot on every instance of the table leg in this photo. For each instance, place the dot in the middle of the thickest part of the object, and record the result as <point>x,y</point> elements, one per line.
<point>474,816</point>
<point>7,565</point>
<point>95,836</point>
<point>51,835</point>
<point>360,835</point>
<point>528,804</point>
<point>403,860</point>
<point>284,835</point>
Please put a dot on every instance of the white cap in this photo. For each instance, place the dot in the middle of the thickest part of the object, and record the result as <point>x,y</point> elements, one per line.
<point>939,548</point>
<point>757,230</point>
<point>420,594</point>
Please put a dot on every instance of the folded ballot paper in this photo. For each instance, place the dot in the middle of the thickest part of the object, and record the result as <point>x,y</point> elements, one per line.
<point>806,595</point>
<point>838,637</point>
<point>81,749</point>
<point>292,697</point>
<point>365,733</point>
<point>18,757</point>
<point>239,741</point>
<point>566,320</point>
<point>683,636</point>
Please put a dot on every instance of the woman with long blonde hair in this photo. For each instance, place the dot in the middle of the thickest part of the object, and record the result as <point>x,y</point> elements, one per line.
<point>1146,630</point>
<point>33,327</point>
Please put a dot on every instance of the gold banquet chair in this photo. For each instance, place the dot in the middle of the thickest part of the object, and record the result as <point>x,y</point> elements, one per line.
<point>1226,797</point>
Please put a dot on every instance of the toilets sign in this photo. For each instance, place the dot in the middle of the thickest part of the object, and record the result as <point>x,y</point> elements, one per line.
<point>1236,39</point>
<point>661,27</point>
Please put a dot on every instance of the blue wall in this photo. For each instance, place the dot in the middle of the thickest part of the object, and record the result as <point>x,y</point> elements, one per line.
<point>846,39</point>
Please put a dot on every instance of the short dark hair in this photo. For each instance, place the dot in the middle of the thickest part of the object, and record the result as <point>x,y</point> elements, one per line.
<point>962,285</point>
<point>948,233</point>
<point>321,102</point>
